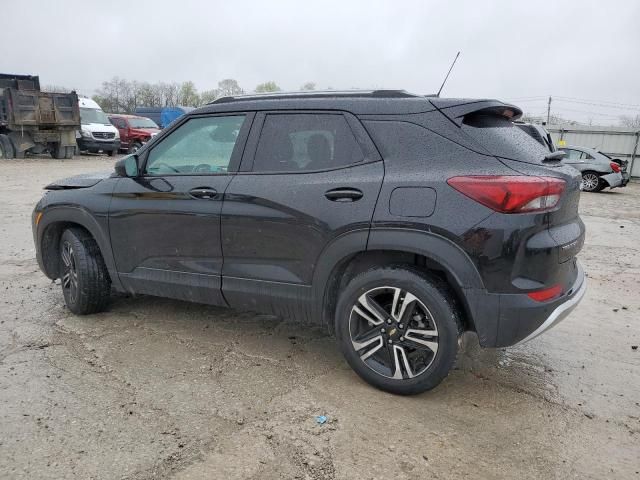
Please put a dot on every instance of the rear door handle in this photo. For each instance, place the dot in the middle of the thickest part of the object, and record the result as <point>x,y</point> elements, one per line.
<point>344,195</point>
<point>203,193</point>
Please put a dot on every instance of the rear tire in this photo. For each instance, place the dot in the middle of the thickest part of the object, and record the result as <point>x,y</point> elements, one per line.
<point>591,182</point>
<point>404,338</point>
<point>85,281</point>
<point>6,148</point>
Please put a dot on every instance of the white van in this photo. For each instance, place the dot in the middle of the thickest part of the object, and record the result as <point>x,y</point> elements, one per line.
<point>96,132</point>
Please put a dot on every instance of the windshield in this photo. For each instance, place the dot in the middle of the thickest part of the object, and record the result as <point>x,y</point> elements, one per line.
<point>142,123</point>
<point>93,115</point>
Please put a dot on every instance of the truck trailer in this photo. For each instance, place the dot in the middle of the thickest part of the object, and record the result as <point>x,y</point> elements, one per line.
<point>32,121</point>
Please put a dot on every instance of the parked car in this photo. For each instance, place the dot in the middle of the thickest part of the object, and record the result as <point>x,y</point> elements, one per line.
<point>96,133</point>
<point>598,170</point>
<point>163,116</point>
<point>134,131</point>
<point>538,133</point>
<point>394,220</point>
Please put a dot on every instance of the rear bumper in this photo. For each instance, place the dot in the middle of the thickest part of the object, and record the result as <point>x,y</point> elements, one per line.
<point>561,311</point>
<point>615,180</point>
<point>514,318</point>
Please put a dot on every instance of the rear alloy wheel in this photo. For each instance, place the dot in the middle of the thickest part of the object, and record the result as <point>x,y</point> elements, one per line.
<point>398,329</point>
<point>590,182</point>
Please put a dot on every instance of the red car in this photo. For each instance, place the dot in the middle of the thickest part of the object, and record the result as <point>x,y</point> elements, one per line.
<point>134,131</point>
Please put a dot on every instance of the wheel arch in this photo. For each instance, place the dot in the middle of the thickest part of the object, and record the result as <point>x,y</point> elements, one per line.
<point>424,250</point>
<point>56,220</point>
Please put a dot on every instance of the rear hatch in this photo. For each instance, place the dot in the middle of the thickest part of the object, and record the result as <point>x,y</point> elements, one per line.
<point>490,124</point>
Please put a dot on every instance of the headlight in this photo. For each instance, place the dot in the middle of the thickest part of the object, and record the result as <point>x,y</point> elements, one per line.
<point>85,133</point>
<point>117,135</point>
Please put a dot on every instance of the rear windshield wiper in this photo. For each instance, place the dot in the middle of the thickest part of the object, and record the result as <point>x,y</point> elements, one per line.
<point>554,156</point>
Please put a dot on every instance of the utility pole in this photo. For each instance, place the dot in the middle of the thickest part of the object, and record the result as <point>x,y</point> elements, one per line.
<point>549,110</point>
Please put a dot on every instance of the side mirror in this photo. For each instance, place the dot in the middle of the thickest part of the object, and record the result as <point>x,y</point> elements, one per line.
<point>127,167</point>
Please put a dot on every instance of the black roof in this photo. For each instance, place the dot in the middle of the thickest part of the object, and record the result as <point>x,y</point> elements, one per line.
<point>359,102</point>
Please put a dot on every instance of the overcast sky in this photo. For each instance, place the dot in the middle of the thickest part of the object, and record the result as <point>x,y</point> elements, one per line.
<point>512,50</point>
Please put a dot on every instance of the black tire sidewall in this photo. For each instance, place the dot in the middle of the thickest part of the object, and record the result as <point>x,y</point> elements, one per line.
<point>93,286</point>
<point>429,290</point>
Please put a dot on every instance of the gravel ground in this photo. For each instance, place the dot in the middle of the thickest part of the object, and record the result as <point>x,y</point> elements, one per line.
<point>161,388</point>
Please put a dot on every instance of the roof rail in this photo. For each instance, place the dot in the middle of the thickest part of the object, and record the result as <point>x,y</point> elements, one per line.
<point>317,93</point>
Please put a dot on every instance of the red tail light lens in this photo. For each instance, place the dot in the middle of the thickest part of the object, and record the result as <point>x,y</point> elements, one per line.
<point>546,294</point>
<point>615,167</point>
<point>511,194</point>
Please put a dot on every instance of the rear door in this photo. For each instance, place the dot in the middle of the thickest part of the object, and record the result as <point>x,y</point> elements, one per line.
<point>165,224</point>
<point>306,179</point>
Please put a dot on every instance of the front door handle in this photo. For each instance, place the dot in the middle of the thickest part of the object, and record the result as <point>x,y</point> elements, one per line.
<point>344,195</point>
<point>203,193</point>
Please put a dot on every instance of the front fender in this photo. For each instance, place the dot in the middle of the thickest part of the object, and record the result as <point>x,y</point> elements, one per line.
<point>73,214</point>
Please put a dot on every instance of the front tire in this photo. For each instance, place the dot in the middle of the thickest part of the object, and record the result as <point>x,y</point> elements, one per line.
<point>86,285</point>
<point>398,329</point>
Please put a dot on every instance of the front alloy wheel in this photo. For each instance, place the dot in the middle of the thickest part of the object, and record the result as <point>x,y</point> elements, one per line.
<point>393,332</point>
<point>69,272</point>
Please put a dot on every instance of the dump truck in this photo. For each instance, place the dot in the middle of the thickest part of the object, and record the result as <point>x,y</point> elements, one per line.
<point>32,121</point>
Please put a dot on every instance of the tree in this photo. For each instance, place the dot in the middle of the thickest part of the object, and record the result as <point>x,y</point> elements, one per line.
<point>308,86</point>
<point>269,86</point>
<point>229,87</point>
<point>188,95</point>
<point>629,121</point>
<point>209,96</point>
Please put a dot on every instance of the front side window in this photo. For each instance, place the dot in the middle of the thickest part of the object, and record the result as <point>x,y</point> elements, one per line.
<point>305,142</point>
<point>200,145</point>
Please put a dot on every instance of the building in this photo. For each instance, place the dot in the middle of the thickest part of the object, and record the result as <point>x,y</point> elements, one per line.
<point>617,142</point>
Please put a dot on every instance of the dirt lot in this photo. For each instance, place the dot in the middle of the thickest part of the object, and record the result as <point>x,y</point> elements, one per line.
<point>160,388</point>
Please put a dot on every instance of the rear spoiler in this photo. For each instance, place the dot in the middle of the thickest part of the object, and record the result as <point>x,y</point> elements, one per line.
<point>457,112</point>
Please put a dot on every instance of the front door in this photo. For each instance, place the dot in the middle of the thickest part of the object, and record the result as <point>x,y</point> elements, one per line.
<point>310,181</point>
<point>165,224</point>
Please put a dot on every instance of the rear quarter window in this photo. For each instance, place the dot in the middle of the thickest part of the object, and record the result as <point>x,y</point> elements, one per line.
<point>502,138</point>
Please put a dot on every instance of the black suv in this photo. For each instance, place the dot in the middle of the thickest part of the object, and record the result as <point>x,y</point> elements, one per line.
<point>397,221</point>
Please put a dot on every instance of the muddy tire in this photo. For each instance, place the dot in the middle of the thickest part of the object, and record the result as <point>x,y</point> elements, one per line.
<point>398,328</point>
<point>85,281</point>
<point>6,148</point>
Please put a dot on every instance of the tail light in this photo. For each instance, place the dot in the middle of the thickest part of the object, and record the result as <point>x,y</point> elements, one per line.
<point>511,194</point>
<point>615,167</point>
<point>546,294</point>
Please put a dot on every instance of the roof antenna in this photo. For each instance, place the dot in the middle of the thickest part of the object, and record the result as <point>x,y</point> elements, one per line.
<point>445,78</point>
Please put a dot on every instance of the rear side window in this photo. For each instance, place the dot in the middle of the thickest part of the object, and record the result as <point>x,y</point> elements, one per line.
<point>501,137</point>
<point>305,142</point>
